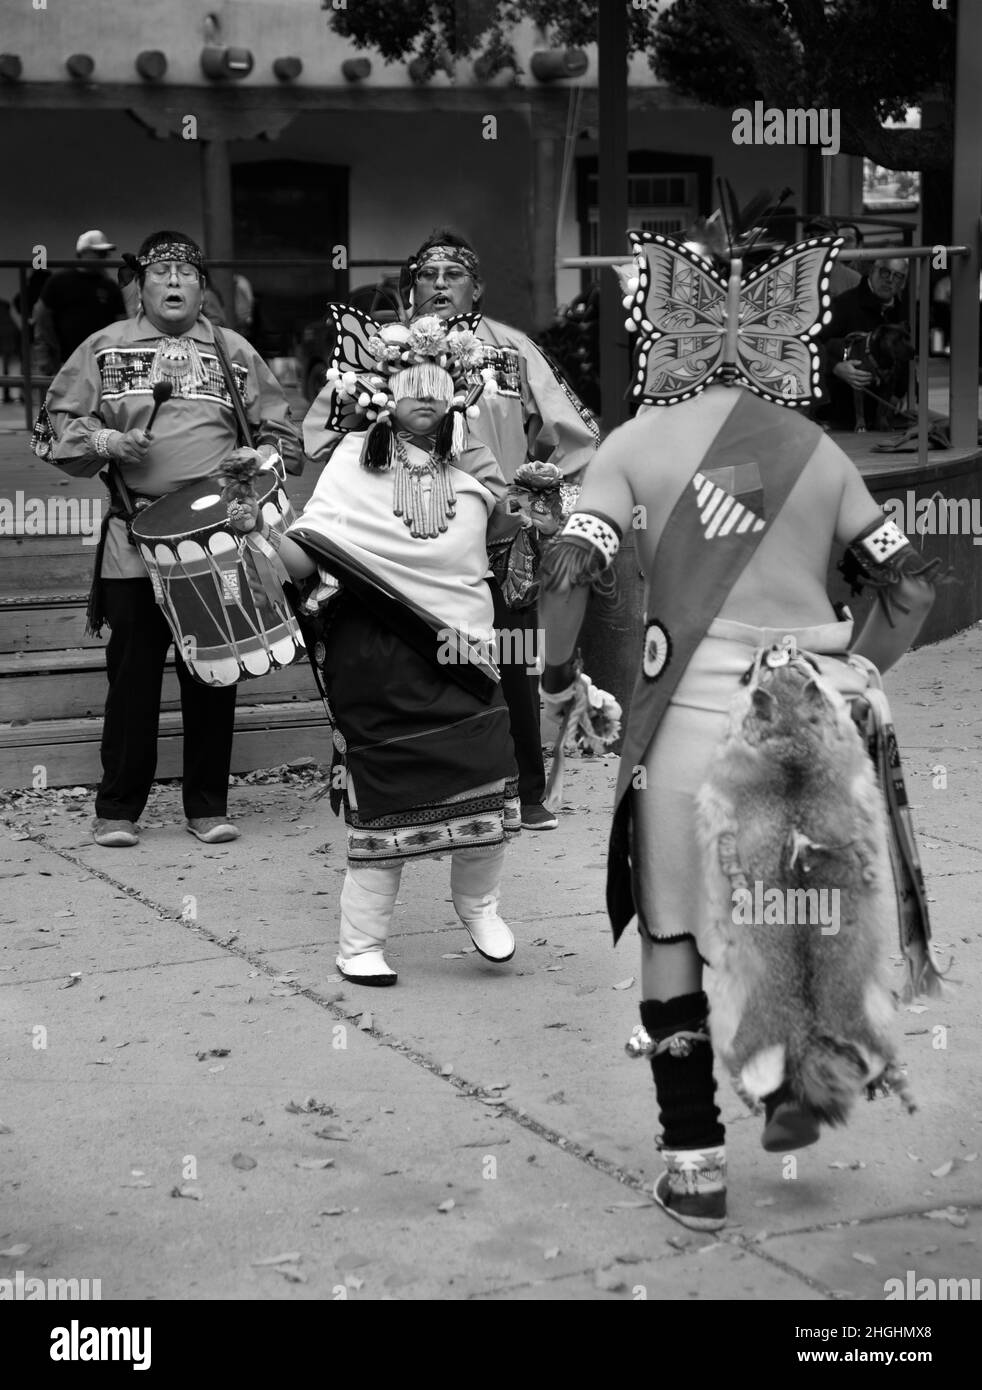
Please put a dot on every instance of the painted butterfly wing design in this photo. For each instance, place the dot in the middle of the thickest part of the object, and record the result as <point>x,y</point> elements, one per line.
<point>469,321</point>
<point>783,304</point>
<point>680,307</point>
<point>350,353</point>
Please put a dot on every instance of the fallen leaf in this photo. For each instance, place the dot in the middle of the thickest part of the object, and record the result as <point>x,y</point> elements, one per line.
<point>244,1162</point>
<point>14,1252</point>
<point>314,1163</point>
<point>552,1253</point>
<point>863,1259</point>
<point>332,1211</point>
<point>943,1171</point>
<point>365,1023</point>
<point>309,1107</point>
<point>331,1133</point>
<point>539,940</point>
<point>186,1190</point>
<point>916,1008</point>
<point>914,1158</point>
<point>491,1100</point>
<point>213,1052</point>
<point>291,1274</point>
<point>290,1259</point>
<point>448,1205</point>
<point>447,1070</point>
<point>624,984</point>
<point>452,955</point>
<point>950,1214</point>
<point>74,979</point>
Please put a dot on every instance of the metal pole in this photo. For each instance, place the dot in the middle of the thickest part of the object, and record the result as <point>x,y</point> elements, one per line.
<point>966,203</point>
<point>612,99</point>
<point>27,385</point>
<point>922,274</point>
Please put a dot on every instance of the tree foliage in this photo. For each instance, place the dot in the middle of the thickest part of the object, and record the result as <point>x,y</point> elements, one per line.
<point>869,59</point>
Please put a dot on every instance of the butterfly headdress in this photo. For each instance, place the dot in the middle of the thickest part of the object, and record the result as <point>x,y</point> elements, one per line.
<point>699,325</point>
<point>375,365</point>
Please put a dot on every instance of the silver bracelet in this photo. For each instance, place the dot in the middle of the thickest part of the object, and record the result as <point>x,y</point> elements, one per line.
<point>101,442</point>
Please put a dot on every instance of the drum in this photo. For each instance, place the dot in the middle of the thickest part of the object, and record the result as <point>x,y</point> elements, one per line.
<point>195,562</point>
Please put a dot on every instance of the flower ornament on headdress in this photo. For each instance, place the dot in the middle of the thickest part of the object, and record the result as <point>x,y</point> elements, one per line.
<point>699,325</point>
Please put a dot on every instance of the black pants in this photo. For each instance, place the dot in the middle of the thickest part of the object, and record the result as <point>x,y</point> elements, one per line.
<point>135,658</point>
<point>517,647</point>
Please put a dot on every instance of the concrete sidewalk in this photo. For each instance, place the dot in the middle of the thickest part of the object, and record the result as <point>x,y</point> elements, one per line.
<point>172,1024</point>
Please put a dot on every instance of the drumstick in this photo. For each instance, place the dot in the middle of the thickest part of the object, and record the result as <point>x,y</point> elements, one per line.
<point>162,391</point>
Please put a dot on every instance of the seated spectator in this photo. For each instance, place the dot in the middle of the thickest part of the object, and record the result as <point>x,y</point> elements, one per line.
<point>879,298</point>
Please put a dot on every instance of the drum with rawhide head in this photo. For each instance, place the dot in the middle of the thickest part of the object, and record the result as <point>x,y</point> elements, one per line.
<point>196,565</point>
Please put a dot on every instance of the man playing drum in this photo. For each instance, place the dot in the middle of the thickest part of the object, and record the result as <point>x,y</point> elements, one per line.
<point>96,413</point>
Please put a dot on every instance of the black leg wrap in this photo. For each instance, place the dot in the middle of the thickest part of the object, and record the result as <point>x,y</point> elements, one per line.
<point>684,1074</point>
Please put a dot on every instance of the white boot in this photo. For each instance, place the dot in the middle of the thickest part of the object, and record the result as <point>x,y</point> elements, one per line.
<point>368,898</point>
<point>475,878</point>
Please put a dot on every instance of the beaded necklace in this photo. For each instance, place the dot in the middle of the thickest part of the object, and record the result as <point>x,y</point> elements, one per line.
<point>427,512</point>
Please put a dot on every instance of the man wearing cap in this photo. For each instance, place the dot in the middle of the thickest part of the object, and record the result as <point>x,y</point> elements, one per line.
<point>77,302</point>
<point>533,415</point>
<point>96,414</point>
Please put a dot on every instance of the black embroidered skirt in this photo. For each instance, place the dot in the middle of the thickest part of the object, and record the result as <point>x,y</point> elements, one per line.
<point>430,765</point>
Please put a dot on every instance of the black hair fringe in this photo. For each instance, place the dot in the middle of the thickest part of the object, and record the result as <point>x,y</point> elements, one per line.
<point>377,454</point>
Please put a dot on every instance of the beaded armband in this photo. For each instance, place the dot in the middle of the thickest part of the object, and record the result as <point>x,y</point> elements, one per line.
<point>880,556</point>
<point>584,549</point>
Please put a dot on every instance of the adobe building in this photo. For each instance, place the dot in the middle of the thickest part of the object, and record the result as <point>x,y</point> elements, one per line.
<point>254,127</point>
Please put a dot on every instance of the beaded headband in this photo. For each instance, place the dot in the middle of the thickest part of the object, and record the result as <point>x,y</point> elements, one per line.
<point>172,251</point>
<point>457,255</point>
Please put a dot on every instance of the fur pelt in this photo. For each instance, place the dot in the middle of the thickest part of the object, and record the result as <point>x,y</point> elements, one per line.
<point>792,803</point>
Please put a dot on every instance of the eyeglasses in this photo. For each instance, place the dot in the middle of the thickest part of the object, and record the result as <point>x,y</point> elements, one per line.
<point>164,270</point>
<point>896,277</point>
<point>453,275</point>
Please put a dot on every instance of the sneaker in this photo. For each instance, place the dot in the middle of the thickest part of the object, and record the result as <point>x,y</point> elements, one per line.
<point>692,1190</point>
<point>788,1125</point>
<point>213,830</point>
<point>535,817</point>
<point>114,834</point>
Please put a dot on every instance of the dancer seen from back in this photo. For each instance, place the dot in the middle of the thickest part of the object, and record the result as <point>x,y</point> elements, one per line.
<point>393,549</point>
<point>738,502</point>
